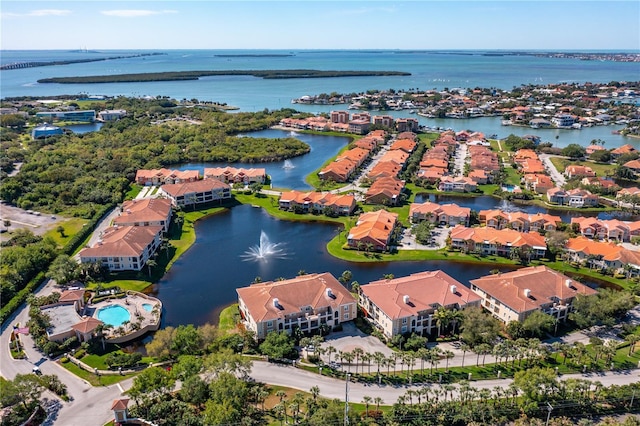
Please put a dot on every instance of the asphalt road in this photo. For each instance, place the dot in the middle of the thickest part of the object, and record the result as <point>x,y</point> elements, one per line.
<point>557,176</point>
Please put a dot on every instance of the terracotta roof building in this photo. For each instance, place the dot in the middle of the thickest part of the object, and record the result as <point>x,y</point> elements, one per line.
<point>407,304</point>
<point>164,176</point>
<point>513,296</point>
<point>145,212</point>
<point>124,248</point>
<point>489,241</point>
<point>235,175</point>
<point>385,190</point>
<point>338,171</point>
<point>305,302</point>
<point>375,228</point>
<point>445,214</point>
<point>603,255</point>
<point>199,192</point>
<point>316,202</point>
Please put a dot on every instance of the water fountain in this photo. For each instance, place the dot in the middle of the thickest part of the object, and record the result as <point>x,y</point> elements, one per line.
<point>265,250</point>
<point>288,165</point>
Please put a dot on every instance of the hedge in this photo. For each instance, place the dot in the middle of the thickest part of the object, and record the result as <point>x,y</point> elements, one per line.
<point>75,242</point>
<point>20,297</point>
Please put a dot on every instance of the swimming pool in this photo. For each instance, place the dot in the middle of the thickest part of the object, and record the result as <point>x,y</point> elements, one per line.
<point>510,188</point>
<point>114,315</point>
<point>147,307</point>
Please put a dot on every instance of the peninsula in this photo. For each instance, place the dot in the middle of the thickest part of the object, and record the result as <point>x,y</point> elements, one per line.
<point>19,65</point>
<point>194,75</point>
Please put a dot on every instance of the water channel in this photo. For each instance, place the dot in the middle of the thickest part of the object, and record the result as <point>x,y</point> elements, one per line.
<point>204,279</point>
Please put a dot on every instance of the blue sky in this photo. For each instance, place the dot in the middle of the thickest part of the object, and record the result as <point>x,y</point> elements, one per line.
<point>305,24</point>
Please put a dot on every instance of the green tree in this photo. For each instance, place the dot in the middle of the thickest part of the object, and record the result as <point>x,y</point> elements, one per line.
<point>536,383</point>
<point>478,327</point>
<point>538,323</point>
<point>63,269</point>
<point>278,345</point>
<point>186,341</point>
<point>150,384</point>
<point>574,151</point>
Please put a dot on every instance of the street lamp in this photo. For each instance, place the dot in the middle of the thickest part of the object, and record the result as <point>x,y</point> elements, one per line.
<point>346,400</point>
<point>550,409</point>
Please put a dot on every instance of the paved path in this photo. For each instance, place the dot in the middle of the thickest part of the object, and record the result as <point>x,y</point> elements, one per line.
<point>557,176</point>
<point>284,375</point>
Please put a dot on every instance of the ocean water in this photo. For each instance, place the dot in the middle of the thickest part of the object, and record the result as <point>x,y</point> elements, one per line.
<point>429,70</point>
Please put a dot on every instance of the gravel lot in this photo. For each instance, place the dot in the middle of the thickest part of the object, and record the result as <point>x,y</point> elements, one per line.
<point>36,222</point>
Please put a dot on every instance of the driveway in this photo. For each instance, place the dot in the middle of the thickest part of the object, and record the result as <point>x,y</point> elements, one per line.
<point>438,235</point>
<point>459,159</point>
<point>557,176</point>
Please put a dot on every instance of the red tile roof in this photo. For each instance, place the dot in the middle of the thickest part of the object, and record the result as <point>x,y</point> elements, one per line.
<point>542,282</point>
<point>426,290</point>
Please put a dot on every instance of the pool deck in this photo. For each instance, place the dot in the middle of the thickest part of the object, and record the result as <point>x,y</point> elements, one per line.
<point>132,302</point>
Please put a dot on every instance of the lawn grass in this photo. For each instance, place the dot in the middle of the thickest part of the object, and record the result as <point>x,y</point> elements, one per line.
<point>133,192</point>
<point>99,360</point>
<point>228,318</point>
<point>94,380</point>
<point>600,169</point>
<point>71,227</point>
<point>180,238</point>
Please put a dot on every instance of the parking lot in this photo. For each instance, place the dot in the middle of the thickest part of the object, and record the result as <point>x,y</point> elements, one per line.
<point>12,218</point>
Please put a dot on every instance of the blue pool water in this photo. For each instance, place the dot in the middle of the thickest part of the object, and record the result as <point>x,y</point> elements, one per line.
<point>147,307</point>
<point>509,188</point>
<point>114,315</point>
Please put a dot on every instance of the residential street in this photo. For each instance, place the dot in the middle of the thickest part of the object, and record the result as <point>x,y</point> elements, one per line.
<point>283,375</point>
<point>556,175</point>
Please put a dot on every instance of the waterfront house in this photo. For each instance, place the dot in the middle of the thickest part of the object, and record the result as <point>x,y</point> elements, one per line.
<point>601,229</point>
<point>317,202</point>
<point>431,174</point>
<point>338,171</point>
<point>603,255</point>
<point>385,190</point>
<point>519,221</point>
<point>574,197</point>
<point>457,184</point>
<point>198,192</point>
<point>624,149</point>
<point>307,302</point>
<point>407,304</point>
<point>538,183</point>
<point>633,191</point>
<point>236,175</point>
<point>445,214</point>
<point>573,171</point>
<point>124,248</point>
<point>383,120</point>
<point>357,155</point>
<point>489,241</point>
<point>373,229</point>
<point>145,212</point>
<point>407,124</point>
<point>480,177</point>
<point>513,296</point>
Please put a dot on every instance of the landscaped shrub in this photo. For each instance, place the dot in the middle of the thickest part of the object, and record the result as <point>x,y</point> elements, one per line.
<point>79,353</point>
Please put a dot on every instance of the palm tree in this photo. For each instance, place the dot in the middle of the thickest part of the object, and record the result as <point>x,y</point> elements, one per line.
<point>456,317</point>
<point>378,401</point>
<point>448,355</point>
<point>330,350</point>
<point>366,359</point>
<point>349,356</point>
<point>632,339</point>
<point>357,352</point>
<point>379,359</point>
<point>151,264</point>
<point>366,400</point>
<point>442,316</point>
<point>464,348</point>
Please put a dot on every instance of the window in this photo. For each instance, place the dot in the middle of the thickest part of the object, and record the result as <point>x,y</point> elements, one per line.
<point>404,321</point>
<point>346,317</point>
<point>269,324</point>
<point>345,308</point>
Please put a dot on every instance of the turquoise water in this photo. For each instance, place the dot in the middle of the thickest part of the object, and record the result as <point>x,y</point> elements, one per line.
<point>429,69</point>
<point>114,315</point>
<point>147,307</point>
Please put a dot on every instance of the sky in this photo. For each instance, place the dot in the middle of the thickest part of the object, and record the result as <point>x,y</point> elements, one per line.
<point>308,24</point>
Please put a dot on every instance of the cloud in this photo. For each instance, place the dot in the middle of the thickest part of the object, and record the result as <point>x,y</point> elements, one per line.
<point>135,13</point>
<point>40,12</point>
